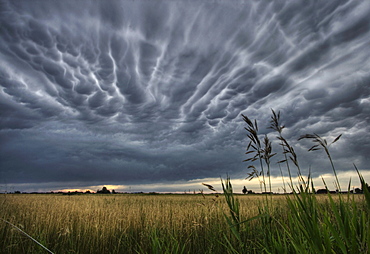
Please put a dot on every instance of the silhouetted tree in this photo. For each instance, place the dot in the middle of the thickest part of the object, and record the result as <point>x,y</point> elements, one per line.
<point>358,190</point>
<point>322,191</point>
<point>244,190</point>
<point>104,191</point>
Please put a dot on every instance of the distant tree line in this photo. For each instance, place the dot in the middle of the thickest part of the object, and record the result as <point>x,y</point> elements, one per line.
<point>104,190</point>
<point>319,191</point>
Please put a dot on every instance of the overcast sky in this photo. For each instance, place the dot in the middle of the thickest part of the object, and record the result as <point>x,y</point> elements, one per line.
<point>148,95</point>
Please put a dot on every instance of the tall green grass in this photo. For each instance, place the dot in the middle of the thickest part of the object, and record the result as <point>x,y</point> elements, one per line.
<point>305,224</point>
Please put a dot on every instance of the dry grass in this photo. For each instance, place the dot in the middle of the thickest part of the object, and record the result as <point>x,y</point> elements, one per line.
<point>112,223</point>
<point>125,223</point>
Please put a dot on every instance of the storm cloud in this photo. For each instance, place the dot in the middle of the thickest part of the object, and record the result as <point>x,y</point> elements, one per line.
<point>147,92</point>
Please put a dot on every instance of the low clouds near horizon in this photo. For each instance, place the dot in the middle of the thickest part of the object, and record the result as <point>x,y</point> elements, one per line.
<point>140,92</point>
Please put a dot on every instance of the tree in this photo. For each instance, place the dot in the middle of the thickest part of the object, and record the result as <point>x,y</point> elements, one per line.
<point>104,191</point>
<point>244,190</point>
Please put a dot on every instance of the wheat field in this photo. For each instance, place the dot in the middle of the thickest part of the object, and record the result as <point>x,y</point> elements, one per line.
<point>118,223</point>
<point>134,223</point>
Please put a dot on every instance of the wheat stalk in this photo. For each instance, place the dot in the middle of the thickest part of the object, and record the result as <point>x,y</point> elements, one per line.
<point>321,143</point>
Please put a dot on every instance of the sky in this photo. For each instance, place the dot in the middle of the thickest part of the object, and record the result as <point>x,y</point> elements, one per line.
<point>148,95</point>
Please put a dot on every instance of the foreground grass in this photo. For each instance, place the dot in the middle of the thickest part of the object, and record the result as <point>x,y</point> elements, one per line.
<point>161,223</point>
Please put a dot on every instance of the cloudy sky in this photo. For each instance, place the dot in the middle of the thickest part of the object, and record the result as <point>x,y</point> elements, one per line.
<point>148,95</point>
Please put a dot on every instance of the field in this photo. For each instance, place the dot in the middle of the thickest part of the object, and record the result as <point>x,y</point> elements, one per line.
<point>116,223</point>
<point>143,223</point>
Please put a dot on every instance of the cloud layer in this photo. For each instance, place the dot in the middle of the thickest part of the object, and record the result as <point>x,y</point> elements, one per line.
<point>139,92</point>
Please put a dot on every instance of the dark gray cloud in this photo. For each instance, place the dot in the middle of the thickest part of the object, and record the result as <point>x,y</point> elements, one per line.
<point>137,92</point>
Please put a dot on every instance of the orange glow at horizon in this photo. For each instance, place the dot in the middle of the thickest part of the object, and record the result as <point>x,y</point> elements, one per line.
<point>73,190</point>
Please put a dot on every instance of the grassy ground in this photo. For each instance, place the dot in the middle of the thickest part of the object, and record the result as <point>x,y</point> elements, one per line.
<point>114,223</point>
<point>148,223</point>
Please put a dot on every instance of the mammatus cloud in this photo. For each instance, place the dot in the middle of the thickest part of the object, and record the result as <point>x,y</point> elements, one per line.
<point>134,92</point>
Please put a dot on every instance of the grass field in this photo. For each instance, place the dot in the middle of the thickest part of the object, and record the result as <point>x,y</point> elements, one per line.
<point>131,223</point>
<point>116,223</point>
